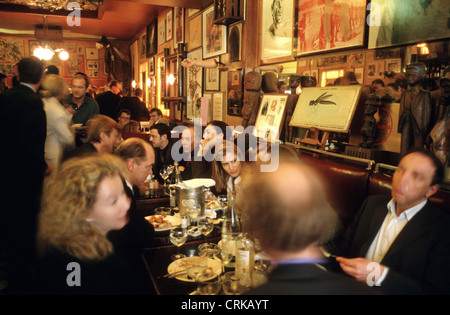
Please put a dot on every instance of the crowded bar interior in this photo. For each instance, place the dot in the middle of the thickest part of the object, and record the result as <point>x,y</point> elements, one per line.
<point>225,147</point>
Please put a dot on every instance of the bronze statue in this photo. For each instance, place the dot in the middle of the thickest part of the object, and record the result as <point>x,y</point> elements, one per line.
<point>252,94</point>
<point>368,130</point>
<point>415,110</point>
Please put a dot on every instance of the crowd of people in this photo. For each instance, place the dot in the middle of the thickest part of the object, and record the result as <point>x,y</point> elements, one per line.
<point>69,208</point>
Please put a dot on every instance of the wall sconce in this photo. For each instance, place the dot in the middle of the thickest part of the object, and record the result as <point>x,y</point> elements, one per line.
<point>133,84</point>
<point>423,49</point>
<point>149,82</point>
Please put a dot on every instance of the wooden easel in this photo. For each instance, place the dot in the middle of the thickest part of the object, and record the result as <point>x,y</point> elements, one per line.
<point>312,138</point>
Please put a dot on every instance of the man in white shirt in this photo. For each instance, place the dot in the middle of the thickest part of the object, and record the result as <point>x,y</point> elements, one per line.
<point>401,242</point>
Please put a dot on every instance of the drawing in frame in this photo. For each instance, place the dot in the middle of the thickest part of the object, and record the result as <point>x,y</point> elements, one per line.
<point>161,31</point>
<point>169,25</point>
<point>195,32</point>
<point>194,76</point>
<point>151,66</point>
<point>143,47</point>
<point>326,108</point>
<point>214,36</point>
<point>270,116</point>
<point>325,26</point>
<point>235,92</point>
<point>276,29</point>
<point>178,26</point>
<point>394,23</point>
<point>152,38</point>
<point>212,78</point>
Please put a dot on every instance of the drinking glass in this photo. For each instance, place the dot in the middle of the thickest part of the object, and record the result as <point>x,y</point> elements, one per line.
<point>165,172</point>
<point>210,287</point>
<point>223,201</point>
<point>231,284</point>
<point>197,270</point>
<point>193,211</point>
<point>206,226</point>
<point>227,252</point>
<point>178,237</point>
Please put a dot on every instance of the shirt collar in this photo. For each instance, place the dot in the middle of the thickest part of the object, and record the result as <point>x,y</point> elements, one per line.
<point>34,90</point>
<point>129,186</point>
<point>408,213</point>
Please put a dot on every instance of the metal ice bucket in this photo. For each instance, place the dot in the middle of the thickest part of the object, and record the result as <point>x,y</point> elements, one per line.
<point>188,197</point>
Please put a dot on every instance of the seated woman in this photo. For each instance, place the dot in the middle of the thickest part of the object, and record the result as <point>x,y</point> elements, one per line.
<point>60,137</point>
<point>75,255</point>
<point>227,167</point>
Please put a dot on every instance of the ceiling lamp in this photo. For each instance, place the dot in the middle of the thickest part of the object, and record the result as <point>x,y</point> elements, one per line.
<point>63,55</point>
<point>47,52</point>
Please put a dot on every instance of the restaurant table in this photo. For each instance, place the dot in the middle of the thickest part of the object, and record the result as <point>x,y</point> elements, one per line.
<point>147,205</point>
<point>158,258</point>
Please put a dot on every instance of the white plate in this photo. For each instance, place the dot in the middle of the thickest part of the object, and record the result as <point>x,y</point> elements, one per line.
<point>180,265</point>
<point>174,220</point>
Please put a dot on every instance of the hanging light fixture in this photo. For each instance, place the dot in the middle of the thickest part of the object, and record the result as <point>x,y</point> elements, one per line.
<point>46,52</point>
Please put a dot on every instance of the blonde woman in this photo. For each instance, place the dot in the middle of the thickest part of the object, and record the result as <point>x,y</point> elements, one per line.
<point>227,167</point>
<point>76,257</point>
<point>59,135</point>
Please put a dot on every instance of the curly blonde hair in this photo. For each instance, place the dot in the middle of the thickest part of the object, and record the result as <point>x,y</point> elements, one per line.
<point>68,198</point>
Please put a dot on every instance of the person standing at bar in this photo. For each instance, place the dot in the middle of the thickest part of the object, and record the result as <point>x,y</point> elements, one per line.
<point>23,131</point>
<point>86,107</point>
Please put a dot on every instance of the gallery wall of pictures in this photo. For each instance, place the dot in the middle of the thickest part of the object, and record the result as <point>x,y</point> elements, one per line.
<point>83,57</point>
<point>322,38</point>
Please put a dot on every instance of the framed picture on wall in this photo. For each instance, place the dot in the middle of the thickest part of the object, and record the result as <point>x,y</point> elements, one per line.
<point>324,26</point>
<point>152,38</point>
<point>235,92</point>
<point>143,49</point>
<point>394,23</point>
<point>235,41</point>
<point>276,29</point>
<point>169,25</point>
<point>194,81</point>
<point>214,35</point>
<point>91,53</point>
<point>151,66</point>
<point>195,32</point>
<point>270,116</point>
<point>178,26</point>
<point>161,31</point>
<point>212,79</point>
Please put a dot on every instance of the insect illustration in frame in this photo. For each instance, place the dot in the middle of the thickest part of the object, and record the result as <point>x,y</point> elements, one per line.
<point>322,100</point>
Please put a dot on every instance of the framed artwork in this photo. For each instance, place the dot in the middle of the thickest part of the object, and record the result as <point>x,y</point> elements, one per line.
<point>143,49</point>
<point>325,26</point>
<point>152,38</point>
<point>151,66</point>
<point>169,25</point>
<point>92,65</point>
<point>91,53</point>
<point>395,23</point>
<point>270,116</point>
<point>195,32</point>
<point>194,81</point>
<point>214,36</point>
<point>178,26</point>
<point>217,106</point>
<point>161,31</point>
<point>235,41</point>
<point>276,29</point>
<point>72,48</point>
<point>326,108</point>
<point>11,50</point>
<point>74,64</point>
<point>235,92</point>
<point>212,79</point>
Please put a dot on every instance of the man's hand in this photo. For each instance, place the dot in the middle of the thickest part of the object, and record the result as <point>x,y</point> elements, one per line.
<point>359,268</point>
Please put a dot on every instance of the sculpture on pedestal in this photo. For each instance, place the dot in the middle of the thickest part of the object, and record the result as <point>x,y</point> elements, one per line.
<point>415,110</point>
<point>252,96</point>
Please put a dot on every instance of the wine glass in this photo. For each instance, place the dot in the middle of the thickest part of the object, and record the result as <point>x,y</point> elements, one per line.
<point>206,226</point>
<point>226,253</point>
<point>165,172</point>
<point>178,237</point>
<point>209,287</point>
<point>223,201</point>
<point>193,211</point>
<point>231,284</point>
<point>197,270</point>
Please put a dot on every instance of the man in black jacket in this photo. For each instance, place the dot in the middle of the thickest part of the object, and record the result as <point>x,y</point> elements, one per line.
<point>24,131</point>
<point>401,242</point>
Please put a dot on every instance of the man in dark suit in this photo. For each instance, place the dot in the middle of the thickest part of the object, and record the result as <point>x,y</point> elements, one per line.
<point>135,105</point>
<point>24,131</point>
<point>108,101</point>
<point>138,233</point>
<point>290,216</point>
<point>401,242</point>
<point>161,140</point>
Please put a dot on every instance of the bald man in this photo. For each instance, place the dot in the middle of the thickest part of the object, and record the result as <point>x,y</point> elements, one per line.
<point>288,213</point>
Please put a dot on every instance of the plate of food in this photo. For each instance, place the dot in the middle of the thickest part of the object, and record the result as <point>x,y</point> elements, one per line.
<point>164,222</point>
<point>179,266</point>
<point>213,205</point>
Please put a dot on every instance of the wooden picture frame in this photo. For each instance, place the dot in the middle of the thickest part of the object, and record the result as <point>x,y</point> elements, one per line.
<point>169,25</point>
<point>235,92</point>
<point>276,41</point>
<point>194,82</point>
<point>212,79</point>
<point>91,53</point>
<point>161,31</point>
<point>235,41</point>
<point>394,23</point>
<point>270,116</point>
<point>143,46</point>
<point>195,32</point>
<point>152,38</point>
<point>324,28</point>
<point>178,26</point>
<point>151,66</point>
<point>326,108</point>
<point>214,36</point>
<point>217,106</point>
